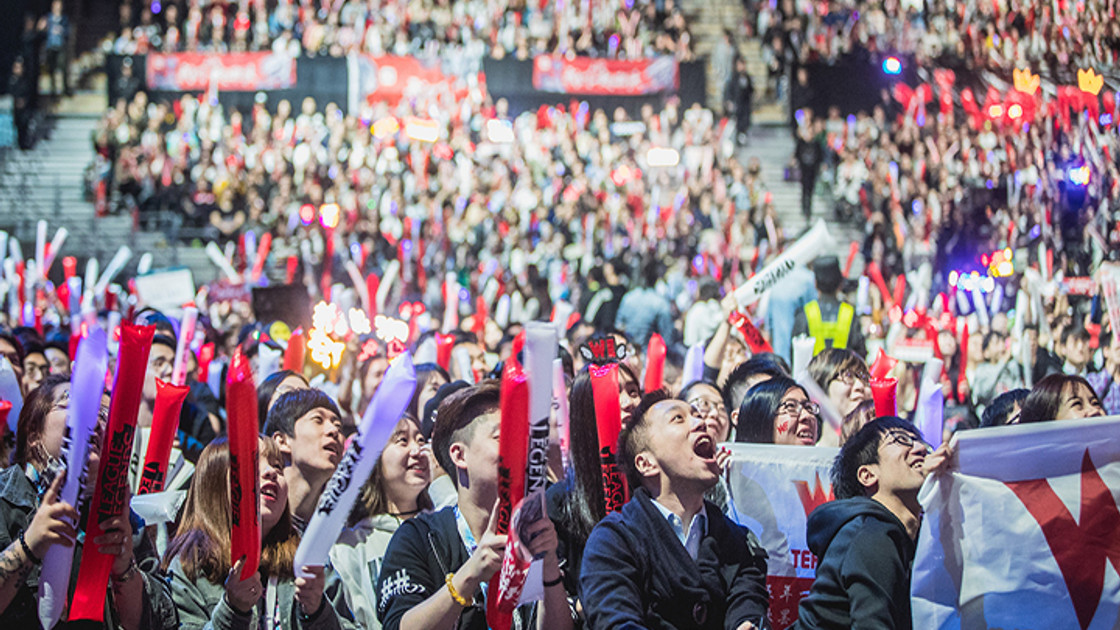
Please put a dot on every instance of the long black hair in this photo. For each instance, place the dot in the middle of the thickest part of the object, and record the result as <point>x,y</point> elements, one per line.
<point>760,407</point>
<point>583,506</point>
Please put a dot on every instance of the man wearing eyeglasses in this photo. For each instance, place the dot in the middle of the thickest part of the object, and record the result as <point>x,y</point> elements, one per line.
<point>865,538</point>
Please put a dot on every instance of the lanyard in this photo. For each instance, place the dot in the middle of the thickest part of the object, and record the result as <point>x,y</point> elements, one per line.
<point>465,532</point>
<point>270,611</point>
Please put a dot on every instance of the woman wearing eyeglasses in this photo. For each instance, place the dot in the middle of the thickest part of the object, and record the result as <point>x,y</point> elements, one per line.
<point>32,520</point>
<point>778,411</point>
<point>844,376</point>
<point>706,401</point>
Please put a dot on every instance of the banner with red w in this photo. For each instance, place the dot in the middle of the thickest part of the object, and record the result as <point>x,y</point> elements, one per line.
<point>1024,532</point>
<point>773,489</point>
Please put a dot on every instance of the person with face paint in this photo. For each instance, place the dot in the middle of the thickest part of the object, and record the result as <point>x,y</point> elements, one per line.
<point>778,411</point>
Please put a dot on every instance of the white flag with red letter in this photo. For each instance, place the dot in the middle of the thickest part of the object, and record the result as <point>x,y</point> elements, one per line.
<point>774,489</point>
<point>1025,530</point>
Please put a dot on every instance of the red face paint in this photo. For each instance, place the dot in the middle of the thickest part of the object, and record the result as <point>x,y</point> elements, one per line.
<point>110,496</point>
<point>783,426</point>
<point>244,478</point>
<point>165,421</point>
<point>608,415</point>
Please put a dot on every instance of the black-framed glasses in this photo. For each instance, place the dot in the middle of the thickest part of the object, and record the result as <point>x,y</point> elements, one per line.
<point>906,440</point>
<point>794,408</point>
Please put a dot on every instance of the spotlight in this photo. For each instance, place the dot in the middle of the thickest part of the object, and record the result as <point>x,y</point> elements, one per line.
<point>891,65</point>
<point>1078,175</point>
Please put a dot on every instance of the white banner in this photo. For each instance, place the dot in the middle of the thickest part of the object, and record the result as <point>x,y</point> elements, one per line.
<point>1025,530</point>
<point>774,489</point>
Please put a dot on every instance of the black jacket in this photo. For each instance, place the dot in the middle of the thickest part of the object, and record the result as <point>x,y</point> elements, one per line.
<point>18,502</point>
<point>422,552</point>
<point>636,573</point>
<point>863,579</point>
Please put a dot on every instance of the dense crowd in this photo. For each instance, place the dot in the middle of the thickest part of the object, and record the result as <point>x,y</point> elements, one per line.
<point>1052,39</point>
<point>445,29</point>
<point>467,227</point>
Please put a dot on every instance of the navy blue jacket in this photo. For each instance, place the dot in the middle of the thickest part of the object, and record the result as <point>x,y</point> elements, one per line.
<point>637,574</point>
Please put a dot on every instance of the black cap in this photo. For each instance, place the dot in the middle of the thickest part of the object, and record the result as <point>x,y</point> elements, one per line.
<point>827,272</point>
<point>429,419</point>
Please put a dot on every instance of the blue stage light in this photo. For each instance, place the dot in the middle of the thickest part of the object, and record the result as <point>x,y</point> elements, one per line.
<point>891,65</point>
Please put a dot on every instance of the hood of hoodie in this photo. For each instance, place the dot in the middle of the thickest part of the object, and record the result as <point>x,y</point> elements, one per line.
<point>830,518</point>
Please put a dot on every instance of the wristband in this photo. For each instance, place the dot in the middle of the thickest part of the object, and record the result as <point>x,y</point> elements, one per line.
<point>551,583</point>
<point>27,550</point>
<point>128,574</point>
<point>459,599</point>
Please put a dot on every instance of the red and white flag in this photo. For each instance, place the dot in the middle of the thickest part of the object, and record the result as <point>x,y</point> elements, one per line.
<point>1025,530</point>
<point>774,489</point>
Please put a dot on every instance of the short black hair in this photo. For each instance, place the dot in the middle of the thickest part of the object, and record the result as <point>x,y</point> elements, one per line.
<point>997,412</point>
<point>268,387</point>
<point>632,439</point>
<point>862,449</point>
<point>736,386</point>
<point>454,421</point>
<point>294,405</point>
<point>164,340</point>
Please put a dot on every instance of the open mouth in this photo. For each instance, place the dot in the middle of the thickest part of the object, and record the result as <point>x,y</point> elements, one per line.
<point>806,434</point>
<point>704,447</point>
<point>421,467</point>
<point>269,490</point>
<point>333,449</point>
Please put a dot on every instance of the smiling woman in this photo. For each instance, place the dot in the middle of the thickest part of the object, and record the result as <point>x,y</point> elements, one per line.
<point>1061,397</point>
<point>778,411</point>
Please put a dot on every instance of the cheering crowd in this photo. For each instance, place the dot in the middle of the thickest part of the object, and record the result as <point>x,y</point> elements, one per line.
<point>436,262</point>
<point>446,30</point>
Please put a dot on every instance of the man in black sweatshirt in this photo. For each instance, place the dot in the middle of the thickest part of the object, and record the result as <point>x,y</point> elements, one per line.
<point>865,539</point>
<point>670,559</point>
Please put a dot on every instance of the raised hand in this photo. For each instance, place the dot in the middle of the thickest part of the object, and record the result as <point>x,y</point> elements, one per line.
<point>53,523</point>
<point>309,591</point>
<point>242,595</point>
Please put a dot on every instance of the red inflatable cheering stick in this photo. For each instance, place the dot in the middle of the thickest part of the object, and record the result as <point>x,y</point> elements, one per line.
<point>608,414</point>
<point>655,363</point>
<point>513,458</point>
<point>110,496</point>
<point>244,480</point>
<point>165,421</point>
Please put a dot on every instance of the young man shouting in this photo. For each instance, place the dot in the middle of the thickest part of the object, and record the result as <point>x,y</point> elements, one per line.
<point>865,539</point>
<point>307,426</point>
<point>437,564</point>
<point>669,558</point>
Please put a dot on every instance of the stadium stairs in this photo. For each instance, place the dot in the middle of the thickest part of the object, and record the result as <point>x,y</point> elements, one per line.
<point>48,182</point>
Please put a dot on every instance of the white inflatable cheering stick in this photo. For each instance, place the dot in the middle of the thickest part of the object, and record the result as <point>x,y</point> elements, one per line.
<point>380,420</point>
<point>815,242</point>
